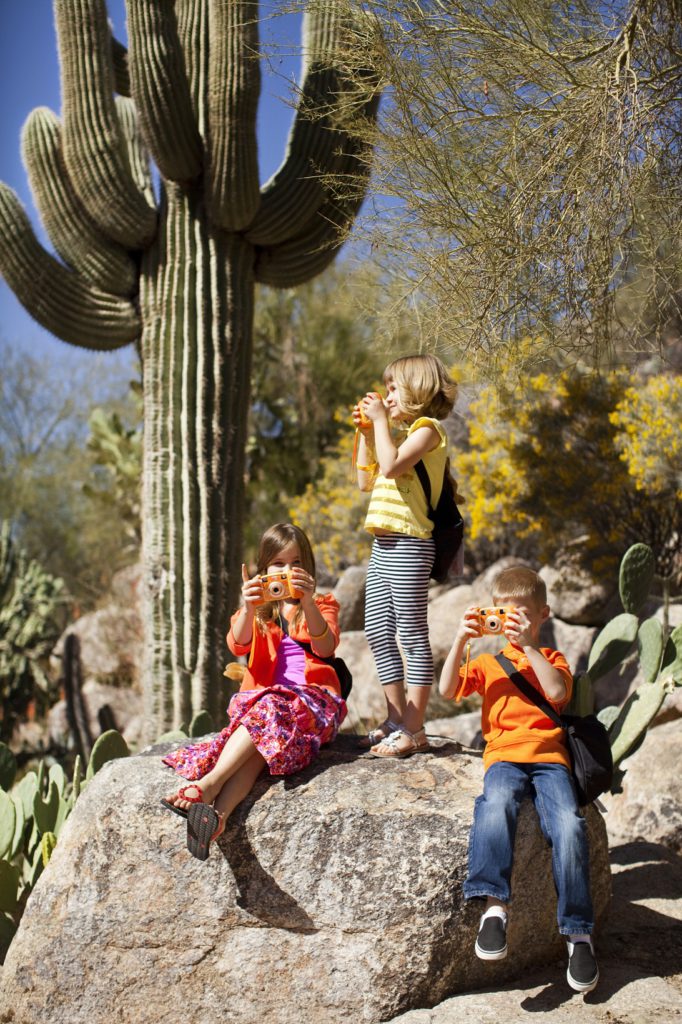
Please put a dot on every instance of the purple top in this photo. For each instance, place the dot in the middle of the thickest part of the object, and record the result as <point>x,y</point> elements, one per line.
<point>290,666</point>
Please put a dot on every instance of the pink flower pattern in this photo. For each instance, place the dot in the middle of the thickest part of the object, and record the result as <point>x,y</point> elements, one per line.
<point>287,723</point>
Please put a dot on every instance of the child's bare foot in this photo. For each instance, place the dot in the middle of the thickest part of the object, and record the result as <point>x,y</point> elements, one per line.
<point>193,793</point>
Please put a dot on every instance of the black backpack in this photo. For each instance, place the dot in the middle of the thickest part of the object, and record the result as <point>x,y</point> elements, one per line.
<point>586,738</point>
<point>448,525</point>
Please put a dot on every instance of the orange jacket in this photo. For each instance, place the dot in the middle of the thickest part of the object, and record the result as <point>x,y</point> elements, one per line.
<point>515,729</point>
<point>262,661</point>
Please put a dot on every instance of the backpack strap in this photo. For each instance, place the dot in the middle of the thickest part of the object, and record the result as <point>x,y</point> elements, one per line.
<point>527,690</point>
<point>308,648</point>
<point>423,474</point>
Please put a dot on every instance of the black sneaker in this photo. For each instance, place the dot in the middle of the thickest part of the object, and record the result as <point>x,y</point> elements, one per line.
<point>491,942</point>
<point>582,974</point>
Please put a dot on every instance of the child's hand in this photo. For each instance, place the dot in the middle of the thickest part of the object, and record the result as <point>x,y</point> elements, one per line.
<point>518,628</point>
<point>469,627</point>
<point>252,590</point>
<point>359,421</point>
<point>304,583</point>
<point>372,405</point>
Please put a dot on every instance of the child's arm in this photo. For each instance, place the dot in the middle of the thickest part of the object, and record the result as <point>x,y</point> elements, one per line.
<point>394,461</point>
<point>468,630</point>
<point>551,679</point>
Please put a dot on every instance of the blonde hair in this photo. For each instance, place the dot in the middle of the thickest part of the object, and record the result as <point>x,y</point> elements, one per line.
<point>424,385</point>
<point>522,583</point>
<point>275,539</point>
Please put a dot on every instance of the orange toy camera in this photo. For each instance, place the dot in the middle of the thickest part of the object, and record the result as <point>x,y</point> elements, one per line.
<point>493,620</point>
<point>277,586</point>
<point>365,421</point>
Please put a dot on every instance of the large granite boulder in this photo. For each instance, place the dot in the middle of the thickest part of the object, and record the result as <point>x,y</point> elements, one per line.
<point>650,805</point>
<point>334,895</point>
<point>350,593</point>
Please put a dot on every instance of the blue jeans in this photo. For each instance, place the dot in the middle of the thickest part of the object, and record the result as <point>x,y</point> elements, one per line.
<point>491,842</point>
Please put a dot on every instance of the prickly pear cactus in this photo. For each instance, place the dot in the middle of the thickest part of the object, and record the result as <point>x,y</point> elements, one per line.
<point>30,605</point>
<point>108,747</point>
<point>637,571</point>
<point>175,275</point>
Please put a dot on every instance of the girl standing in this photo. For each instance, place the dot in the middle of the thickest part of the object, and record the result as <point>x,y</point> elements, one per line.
<point>419,394</point>
<point>289,702</point>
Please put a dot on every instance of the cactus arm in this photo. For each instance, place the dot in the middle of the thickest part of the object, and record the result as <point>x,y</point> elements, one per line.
<point>234,79</point>
<point>138,157</point>
<point>299,259</point>
<point>161,91</point>
<point>55,296</point>
<point>316,144</point>
<point>93,154</point>
<point>119,62</point>
<point>102,263</point>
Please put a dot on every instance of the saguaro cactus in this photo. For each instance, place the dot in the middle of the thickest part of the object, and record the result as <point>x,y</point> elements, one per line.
<point>175,274</point>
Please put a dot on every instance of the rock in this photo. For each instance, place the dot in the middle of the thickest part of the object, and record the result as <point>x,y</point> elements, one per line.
<point>334,895</point>
<point>576,597</point>
<point>125,704</point>
<point>366,706</point>
<point>111,640</point>
<point>574,642</point>
<point>650,805</point>
<point>462,728</point>
<point>350,593</point>
<point>637,949</point>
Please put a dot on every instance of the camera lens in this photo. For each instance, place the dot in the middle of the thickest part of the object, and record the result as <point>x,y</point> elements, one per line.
<point>276,588</point>
<point>493,624</point>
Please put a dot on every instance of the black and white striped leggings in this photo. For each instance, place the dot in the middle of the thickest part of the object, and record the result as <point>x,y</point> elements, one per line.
<point>396,602</point>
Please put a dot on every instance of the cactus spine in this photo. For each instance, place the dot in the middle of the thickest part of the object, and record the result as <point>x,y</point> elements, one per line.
<point>177,277</point>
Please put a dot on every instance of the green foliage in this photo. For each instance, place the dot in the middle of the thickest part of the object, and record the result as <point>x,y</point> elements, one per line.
<point>637,571</point>
<point>117,450</point>
<point>612,645</point>
<point>47,844</point>
<point>544,468</point>
<point>313,353</point>
<point>30,604</point>
<point>201,724</point>
<point>108,747</point>
<point>658,657</point>
<point>44,408</point>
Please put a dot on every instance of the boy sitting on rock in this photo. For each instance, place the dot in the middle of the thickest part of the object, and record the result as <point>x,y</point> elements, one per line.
<point>525,754</point>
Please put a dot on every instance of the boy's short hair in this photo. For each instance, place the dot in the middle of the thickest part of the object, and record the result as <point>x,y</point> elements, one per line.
<point>520,582</point>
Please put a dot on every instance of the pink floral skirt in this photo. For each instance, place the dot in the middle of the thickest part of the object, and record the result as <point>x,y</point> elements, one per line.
<point>288,724</point>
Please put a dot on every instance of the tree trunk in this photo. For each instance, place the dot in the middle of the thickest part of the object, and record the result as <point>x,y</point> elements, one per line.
<point>197,288</point>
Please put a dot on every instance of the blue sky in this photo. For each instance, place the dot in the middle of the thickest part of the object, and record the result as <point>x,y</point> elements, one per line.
<point>29,77</point>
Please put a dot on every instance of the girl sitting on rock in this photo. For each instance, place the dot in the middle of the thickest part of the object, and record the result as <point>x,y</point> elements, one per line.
<point>289,702</point>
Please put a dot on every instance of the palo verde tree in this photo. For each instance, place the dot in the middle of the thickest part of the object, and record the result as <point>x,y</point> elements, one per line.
<point>528,158</point>
<point>175,274</point>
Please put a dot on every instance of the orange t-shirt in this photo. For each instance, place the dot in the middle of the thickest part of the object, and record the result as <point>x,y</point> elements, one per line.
<point>514,728</point>
<point>262,651</point>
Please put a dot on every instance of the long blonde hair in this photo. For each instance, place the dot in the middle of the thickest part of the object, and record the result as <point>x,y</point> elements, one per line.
<point>275,539</point>
<point>424,385</point>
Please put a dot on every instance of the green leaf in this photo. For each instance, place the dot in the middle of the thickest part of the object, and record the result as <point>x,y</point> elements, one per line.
<point>612,645</point>
<point>637,571</point>
<point>201,724</point>
<point>650,643</point>
<point>108,747</point>
<point>635,716</point>
<point>19,825</point>
<point>45,810</point>
<point>8,819</point>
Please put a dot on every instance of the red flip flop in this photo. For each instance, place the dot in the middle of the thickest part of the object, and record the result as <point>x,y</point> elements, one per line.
<point>182,792</point>
<point>204,824</point>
